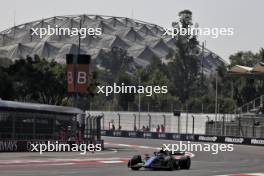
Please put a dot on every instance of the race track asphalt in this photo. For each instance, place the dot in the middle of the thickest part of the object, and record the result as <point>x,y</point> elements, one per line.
<point>112,161</point>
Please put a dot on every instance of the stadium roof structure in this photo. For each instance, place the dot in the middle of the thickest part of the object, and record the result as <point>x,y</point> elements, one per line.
<point>251,72</point>
<point>142,40</point>
<point>34,107</point>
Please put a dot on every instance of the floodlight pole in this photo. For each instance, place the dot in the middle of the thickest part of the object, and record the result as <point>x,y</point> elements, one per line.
<point>139,103</point>
<point>216,97</point>
<point>202,68</point>
<point>75,94</point>
<point>79,37</point>
<point>216,94</point>
<point>76,97</point>
<point>202,64</point>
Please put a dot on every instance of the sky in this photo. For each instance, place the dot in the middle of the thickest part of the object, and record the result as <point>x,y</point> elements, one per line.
<point>245,16</point>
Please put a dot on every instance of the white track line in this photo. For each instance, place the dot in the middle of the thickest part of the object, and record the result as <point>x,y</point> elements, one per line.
<point>244,174</point>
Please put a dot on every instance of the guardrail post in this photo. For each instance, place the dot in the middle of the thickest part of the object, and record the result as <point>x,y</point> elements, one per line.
<point>164,122</point>
<point>192,124</point>
<point>179,125</point>
<point>223,125</point>
<point>239,126</point>
<point>253,125</point>
<point>103,120</point>
<point>118,121</point>
<point>98,127</point>
<point>187,119</point>
<point>135,121</point>
<point>87,127</point>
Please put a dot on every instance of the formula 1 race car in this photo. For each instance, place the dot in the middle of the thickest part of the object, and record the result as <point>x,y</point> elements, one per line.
<point>161,160</point>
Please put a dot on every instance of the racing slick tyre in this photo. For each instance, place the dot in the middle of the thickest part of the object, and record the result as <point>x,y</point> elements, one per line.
<point>135,168</point>
<point>185,164</point>
<point>170,165</point>
<point>176,165</point>
<point>134,161</point>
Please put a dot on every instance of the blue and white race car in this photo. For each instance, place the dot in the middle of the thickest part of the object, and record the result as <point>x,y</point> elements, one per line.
<point>162,160</point>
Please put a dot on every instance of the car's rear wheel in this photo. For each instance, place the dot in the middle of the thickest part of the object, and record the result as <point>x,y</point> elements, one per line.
<point>135,168</point>
<point>175,165</point>
<point>185,164</point>
<point>134,161</point>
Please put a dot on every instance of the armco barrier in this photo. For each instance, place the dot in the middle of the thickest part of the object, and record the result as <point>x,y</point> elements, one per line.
<point>184,137</point>
<point>25,145</point>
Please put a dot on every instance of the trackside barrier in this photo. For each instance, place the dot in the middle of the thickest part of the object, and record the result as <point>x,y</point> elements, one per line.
<point>92,127</point>
<point>184,137</point>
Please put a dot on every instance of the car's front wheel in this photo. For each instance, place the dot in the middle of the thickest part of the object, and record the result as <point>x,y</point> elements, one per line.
<point>185,164</point>
<point>135,168</point>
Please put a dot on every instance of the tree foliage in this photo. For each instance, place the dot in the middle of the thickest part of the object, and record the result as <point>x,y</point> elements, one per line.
<point>38,80</point>
<point>34,80</point>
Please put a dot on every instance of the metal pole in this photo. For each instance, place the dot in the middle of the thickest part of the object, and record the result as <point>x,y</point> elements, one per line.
<point>74,82</point>
<point>247,108</point>
<point>187,119</point>
<point>216,104</point>
<point>218,111</point>
<point>253,130</point>
<point>164,121</point>
<point>193,125</point>
<point>79,39</point>
<point>223,126</point>
<point>148,107</point>
<point>139,104</point>
<point>76,97</point>
<point>103,121</point>
<point>202,70</point>
<point>135,121</point>
<point>74,126</point>
<point>239,126</point>
<point>179,125</point>
<point>118,121</point>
